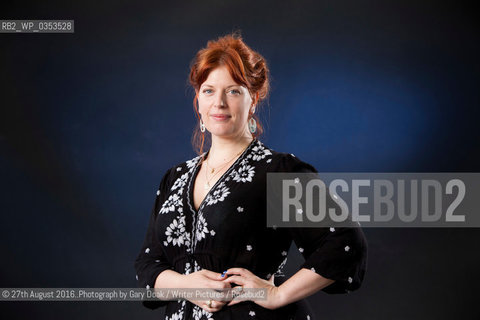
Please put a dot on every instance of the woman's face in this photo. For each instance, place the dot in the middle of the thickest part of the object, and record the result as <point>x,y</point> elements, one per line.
<point>224,105</point>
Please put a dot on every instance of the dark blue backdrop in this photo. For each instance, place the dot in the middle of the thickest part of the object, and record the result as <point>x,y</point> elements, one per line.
<point>91,120</point>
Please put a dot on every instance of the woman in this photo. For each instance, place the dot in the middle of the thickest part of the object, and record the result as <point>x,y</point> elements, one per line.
<point>208,225</point>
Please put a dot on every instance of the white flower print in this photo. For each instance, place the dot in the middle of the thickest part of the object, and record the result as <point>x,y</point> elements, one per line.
<point>300,249</point>
<point>219,194</point>
<point>239,209</point>
<point>199,313</point>
<point>188,268</point>
<point>284,253</point>
<point>347,248</point>
<point>201,229</point>
<point>191,163</point>
<point>180,182</point>
<point>176,232</point>
<point>252,313</point>
<point>177,315</point>
<point>313,269</point>
<point>349,279</point>
<point>249,247</point>
<point>332,229</point>
<point>259,152</point>
<point>196,266</point>
<point>243,174</point>
<point>147,250</point>
<point>169,205</point>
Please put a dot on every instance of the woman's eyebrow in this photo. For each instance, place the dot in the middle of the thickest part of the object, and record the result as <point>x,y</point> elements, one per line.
<point>232,85</point>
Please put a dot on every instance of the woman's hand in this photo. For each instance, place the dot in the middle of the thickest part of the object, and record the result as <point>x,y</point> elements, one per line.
<point>249,280</point>
<point>207,279</point>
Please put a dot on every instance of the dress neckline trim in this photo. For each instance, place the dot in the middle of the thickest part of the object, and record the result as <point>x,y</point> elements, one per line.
<point>222,177</point>
<point>197,213</point>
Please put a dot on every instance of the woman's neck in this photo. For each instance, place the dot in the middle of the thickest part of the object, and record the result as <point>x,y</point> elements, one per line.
<point>223,150</point>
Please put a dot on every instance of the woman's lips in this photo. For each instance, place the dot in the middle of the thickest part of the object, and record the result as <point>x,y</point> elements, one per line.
<point>220,117</point>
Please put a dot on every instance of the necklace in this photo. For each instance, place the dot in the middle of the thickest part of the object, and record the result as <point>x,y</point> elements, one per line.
<point>207,183</point>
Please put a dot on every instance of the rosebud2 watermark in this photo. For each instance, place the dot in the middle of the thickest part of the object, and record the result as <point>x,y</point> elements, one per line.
<point>373,199</point>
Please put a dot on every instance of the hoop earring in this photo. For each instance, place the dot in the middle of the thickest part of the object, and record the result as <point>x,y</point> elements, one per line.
<point>202,126</point>
<point>252,125</point>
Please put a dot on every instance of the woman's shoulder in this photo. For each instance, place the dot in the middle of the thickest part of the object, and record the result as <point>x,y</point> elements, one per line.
<point>288,162</point>
<point>182,169</point>
<point>275,161</point>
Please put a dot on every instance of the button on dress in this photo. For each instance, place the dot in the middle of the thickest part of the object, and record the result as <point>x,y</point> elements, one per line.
<point>229,230</point>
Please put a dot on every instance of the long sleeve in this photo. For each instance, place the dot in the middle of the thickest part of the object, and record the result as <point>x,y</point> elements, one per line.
<point>337,253</point>
<point>151,260</point>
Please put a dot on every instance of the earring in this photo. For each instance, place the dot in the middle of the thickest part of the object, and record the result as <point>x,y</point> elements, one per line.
<point>252,125</point>
<point>202,126</point>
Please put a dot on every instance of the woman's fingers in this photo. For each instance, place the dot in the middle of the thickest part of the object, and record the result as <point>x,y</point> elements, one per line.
<point>210,274</point>
<point>213,280</point>
<point>210,280</point>
<point>209,305</point>
<point>237,290</point>
<point>241,271</point>
<point>231,303</point>
<point>213,305</point>
<point>236,279</point>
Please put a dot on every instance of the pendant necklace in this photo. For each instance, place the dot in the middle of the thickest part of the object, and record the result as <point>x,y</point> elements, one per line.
<point>207,183</point>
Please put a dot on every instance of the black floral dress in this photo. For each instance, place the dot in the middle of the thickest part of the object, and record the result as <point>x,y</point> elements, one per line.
<point>230,230</point>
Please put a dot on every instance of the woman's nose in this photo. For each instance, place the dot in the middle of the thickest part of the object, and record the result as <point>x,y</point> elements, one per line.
<point>220,100</point>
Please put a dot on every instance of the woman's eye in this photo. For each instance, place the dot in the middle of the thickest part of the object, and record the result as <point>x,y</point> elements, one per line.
<point>233,91</point>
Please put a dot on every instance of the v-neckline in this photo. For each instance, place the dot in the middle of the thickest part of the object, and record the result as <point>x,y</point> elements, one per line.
<point>196,171</point>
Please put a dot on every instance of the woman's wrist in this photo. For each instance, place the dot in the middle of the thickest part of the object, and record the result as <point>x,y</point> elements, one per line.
<point>280,298</point>
<point>171,279</point>
<point>301,285</point>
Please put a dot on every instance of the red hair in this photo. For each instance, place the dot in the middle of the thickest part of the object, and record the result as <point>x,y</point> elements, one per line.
<point>246,67</point>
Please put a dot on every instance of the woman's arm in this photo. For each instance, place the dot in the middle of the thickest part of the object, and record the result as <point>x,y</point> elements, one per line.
<point>200,279</point>
<point>301,285</point>
<point>170,279</point>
